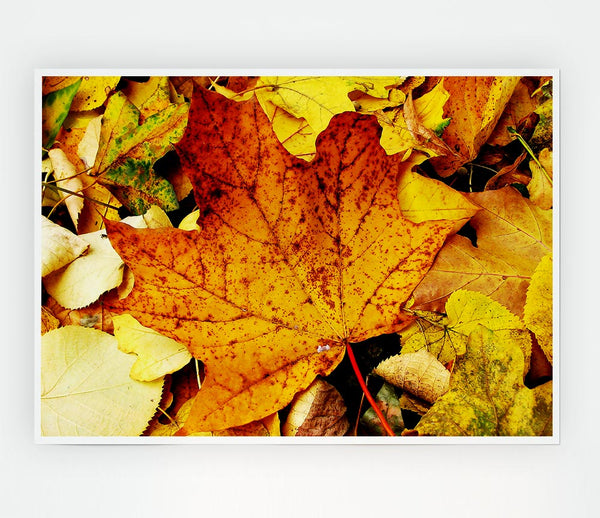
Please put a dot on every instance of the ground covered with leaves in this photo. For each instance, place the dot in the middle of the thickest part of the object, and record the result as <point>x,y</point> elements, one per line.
<point>298,256</point>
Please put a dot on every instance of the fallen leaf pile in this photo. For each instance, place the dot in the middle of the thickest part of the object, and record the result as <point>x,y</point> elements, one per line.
<point>212,248</point>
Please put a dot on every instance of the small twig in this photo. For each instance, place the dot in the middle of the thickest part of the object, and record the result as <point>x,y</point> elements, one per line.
<point>362,399</point>
<point>169,418</point>
<point>73,193</point>
<point>513,132</point>
<point>370,399</point>
<point>472,164</point>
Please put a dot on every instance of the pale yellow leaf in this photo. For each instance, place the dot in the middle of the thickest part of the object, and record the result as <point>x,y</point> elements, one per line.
<point>157,354</point>
<point>419,373</point>
<point>88,146</point>
<point>190,221</point>
<point>83,281</point>
<point>67,178</point>
<point>100,270</point>
<point>86,389</point>
<point>59,246</point>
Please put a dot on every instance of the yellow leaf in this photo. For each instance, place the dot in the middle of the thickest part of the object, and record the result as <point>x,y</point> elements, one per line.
<point>487,395</point>
<point>59,246</point>
<point>513,234</point>
<point>266,427</point>
<point>317,411</point>
<point>540,186</point>
<point>175,424</point>
<point>538,307</point>
<point>447,337</point>
<point>157,354</point>
<point>301,107</point>
<point>419,373</point>
<point>86,388</point>
<point>53,83</point>
<point>93,91</point>
<point>149,97</point>
<point>425,199</point>
<point>190,221</point>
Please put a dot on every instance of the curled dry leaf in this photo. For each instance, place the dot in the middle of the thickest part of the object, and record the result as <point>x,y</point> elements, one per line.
<point>49,321</point>
<point>475,106</point>
<point>520,106</point>
<point>59,246</point>
<point>317,411</point>
<point>87,148</point>
<point>291,263</point>
<point>416,125</point>
<point>409,402</point>
<point>419,373</point>
<point>86,388</point>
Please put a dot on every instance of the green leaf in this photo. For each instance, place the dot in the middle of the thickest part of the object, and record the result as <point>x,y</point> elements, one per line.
<point>388,403</point>
<point>55,108</point>
<point>487,395</point>
<point>128,151</point>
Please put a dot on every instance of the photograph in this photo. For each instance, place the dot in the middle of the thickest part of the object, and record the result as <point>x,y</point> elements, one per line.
<point>365,258</point>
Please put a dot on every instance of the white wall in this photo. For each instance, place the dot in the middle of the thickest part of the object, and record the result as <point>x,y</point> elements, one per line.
<point>373,481</point>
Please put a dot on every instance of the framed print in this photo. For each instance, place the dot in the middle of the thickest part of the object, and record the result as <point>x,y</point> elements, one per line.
<point>258,256</point>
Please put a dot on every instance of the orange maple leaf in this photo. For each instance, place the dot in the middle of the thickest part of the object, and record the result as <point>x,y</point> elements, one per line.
<point>294,260</point>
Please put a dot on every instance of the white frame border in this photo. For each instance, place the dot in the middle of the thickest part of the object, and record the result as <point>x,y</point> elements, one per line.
<point>37,133</point>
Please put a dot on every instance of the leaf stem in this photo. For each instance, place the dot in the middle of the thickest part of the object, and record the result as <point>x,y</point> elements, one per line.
<point>363,386</point>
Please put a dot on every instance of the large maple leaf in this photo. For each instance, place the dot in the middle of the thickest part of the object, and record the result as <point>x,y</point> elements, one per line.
<point>294,260</point>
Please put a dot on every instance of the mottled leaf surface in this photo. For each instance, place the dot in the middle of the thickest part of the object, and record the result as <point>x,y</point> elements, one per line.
<point>293,259</point>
